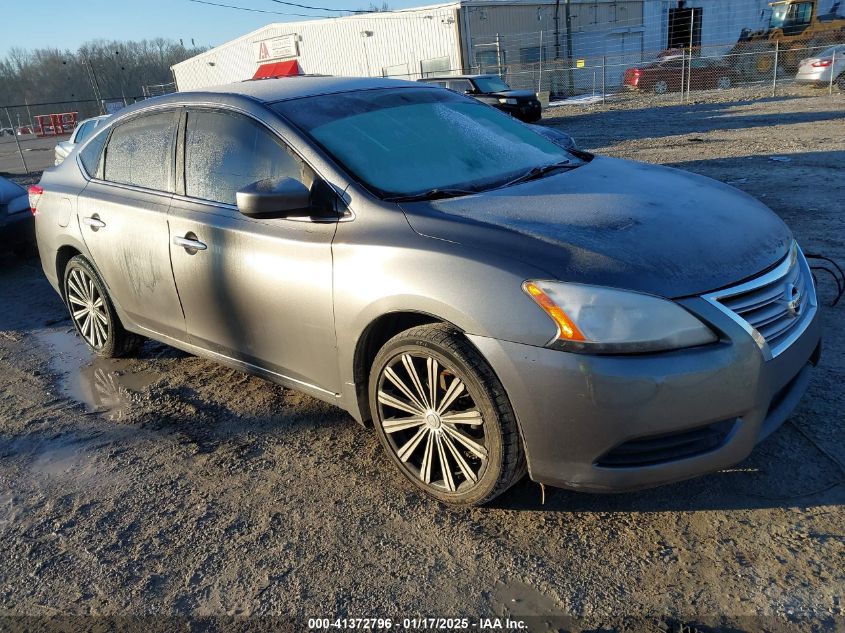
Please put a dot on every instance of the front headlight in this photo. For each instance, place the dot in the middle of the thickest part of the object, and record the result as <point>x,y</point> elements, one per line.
<point>594,319</point>
<point>507,100</point>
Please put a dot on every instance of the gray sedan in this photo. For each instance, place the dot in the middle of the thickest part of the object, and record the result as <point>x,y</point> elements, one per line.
<point>489,301</point>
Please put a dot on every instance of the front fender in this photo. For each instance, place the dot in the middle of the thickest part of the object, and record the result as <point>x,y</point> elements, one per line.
<point>393,269</point>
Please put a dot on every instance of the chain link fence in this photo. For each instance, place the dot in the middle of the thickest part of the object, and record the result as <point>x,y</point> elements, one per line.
<point>29,132</point>
<point>753,69</point>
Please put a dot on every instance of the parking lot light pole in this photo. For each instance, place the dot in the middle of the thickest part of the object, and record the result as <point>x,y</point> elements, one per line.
<point>17,140</point>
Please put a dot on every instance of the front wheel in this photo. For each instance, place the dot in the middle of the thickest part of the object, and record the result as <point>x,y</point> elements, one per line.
<point>723,83</point>
<point>92,312</point>
<point>840,82</point>
<point>443,416</point>
<point>661,87</point>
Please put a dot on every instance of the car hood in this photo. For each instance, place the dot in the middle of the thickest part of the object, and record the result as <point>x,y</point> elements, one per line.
<point>618,223</point>
<point>513,94</point>
<point>13,198</point>
<point>10,190</point>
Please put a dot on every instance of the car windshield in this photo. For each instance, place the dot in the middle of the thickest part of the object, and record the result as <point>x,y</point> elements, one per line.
<point>490,84</point>
<point>401,142</point>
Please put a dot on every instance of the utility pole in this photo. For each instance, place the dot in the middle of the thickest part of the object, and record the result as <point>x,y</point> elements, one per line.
<point>94,84</point>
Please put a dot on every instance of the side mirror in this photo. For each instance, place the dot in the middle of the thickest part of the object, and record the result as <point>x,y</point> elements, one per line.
<point>274,198</point>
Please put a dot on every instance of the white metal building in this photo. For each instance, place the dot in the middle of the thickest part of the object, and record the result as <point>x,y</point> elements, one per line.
<point>397,43</point>
<point>517,38</point>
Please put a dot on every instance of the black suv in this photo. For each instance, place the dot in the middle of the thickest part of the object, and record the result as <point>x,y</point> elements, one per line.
<point>522,104</point>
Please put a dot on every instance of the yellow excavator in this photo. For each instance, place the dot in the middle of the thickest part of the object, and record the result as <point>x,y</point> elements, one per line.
<point>797,31</point>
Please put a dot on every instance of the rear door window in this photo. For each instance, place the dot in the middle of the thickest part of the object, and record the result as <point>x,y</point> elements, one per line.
<point>225,152</point>
<point>139,152</point>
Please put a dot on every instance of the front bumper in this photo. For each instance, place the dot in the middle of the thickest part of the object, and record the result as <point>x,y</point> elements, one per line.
<point>575,410</point>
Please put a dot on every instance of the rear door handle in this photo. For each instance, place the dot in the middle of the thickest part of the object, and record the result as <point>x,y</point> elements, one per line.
<point>190,243</point>
<point>94,222</point>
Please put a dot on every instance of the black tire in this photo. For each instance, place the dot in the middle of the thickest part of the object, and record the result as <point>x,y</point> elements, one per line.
<point>481,396</point>
<point>840,82</point>
<point>109,338</point>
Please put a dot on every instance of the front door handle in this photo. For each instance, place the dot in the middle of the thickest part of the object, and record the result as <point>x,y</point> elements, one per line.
<point>190,243</point>
<point>94,222</point>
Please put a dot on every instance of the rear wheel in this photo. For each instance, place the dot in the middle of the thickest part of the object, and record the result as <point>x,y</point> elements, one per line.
<point>723,83</point>
<point>840,82</point>
<point>93,314</point>
<point>443,416</point>
<point>661,87</point>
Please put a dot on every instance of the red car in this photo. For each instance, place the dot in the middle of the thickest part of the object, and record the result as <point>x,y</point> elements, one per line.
<point>666,75</point>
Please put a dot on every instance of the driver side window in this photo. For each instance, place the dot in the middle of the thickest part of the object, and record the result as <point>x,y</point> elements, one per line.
<point>224,152</point>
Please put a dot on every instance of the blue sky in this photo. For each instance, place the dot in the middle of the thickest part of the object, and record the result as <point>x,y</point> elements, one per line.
<point>64,25</point>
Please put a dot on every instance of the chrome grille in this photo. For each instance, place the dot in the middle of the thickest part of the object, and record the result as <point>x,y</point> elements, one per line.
<point>776,306</point>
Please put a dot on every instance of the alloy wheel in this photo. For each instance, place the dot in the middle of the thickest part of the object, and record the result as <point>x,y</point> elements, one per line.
<point>431,422</point>
<point>724,83</point>
<point>661,87</point>
<point>88,308</point>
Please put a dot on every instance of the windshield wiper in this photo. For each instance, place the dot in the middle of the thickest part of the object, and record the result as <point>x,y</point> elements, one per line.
<point>539,172</point>
<point>437,193</point>
<point>432,194</point>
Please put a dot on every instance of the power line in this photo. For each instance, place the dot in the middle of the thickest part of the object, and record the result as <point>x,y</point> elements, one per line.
<point>400,14</point>
<point>304,6</point>
<point>231,6</point>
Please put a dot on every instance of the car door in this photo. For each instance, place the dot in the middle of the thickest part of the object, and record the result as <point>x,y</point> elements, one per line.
<point>123,220</point>
<point>259,291</point>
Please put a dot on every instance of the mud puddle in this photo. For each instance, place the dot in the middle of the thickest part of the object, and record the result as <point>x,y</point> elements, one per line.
<point>517,599</point>
<point>103,385</point>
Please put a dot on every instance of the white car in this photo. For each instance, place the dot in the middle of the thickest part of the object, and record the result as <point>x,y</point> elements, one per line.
<point>80,133</point>
<point>818,70</point>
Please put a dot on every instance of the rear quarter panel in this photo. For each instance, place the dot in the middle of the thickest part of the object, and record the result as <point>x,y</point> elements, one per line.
<point>56,223</point>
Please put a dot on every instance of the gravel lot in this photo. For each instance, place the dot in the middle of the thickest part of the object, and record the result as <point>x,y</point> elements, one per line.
<point>167,485</point>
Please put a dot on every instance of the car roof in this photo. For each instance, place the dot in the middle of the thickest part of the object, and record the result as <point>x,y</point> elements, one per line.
<point>267,91</point>
<point>445,77</point>
<point>283,88</point>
